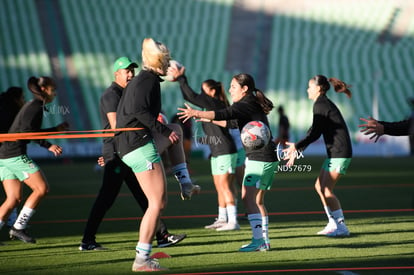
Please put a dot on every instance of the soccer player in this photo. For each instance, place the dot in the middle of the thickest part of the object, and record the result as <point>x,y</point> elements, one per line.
<point>328,122</point>
<point>139,107</point>
<point>15,163</point>
<point>249,104</point>
<point>11,101</point>
<point>222,147</point>
<point>115,171</point>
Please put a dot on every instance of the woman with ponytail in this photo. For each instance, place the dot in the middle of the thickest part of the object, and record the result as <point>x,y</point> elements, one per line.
<point>17,166</point>
<point>249,104</point>
<point>328,122</point>
<point>222,147</point>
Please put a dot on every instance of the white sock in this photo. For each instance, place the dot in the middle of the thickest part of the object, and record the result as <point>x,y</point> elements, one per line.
<point>181,173</point>
<point>143,251</point>
<point>1,224</point>
<point>329,215</point>
<point>255,221</point>
<point>232,214</point>
<point>25,214</point>
<point>222,214</point>
<point>338,216</point>
<point>265,228</point>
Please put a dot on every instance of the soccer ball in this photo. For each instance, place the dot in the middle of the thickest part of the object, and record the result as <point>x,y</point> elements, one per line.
<point>255,135</point>
<point>176,64</point>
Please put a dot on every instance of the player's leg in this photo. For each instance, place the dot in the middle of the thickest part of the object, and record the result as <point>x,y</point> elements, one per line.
<point>13,190</point>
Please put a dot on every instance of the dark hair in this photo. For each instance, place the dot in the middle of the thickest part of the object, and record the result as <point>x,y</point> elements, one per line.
<point>11,101</point>
<point>34,84</point>
<point>219,94</point>
<point>13,96</point>
<point>261,99</point>
<point>339,85</point>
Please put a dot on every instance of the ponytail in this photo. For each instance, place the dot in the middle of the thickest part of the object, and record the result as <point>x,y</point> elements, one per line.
<point>261,99</point>
<point>265,103</point>
<point>219,94</point>
<point>339,85</point>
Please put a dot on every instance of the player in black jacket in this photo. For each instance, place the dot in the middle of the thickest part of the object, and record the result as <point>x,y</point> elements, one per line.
<point>249,104</point>
<point>115,171</point>
<point>11,102</point>
<point>13,155</point>
<point>139,107</point>
<point>222,147</point>
<point>328,122</point>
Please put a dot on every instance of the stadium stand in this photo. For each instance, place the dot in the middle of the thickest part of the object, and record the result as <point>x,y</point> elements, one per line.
<point>366,43</point>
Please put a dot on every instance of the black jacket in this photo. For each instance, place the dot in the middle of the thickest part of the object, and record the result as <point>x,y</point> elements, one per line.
<point>29,119</point>
<point>218,138</point>
<point>246,110</point>
<point>328,121</point>
<point>139,107</point>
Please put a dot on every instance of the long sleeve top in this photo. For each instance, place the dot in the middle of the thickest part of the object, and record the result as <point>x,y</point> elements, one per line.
<point>328,122</point>
<point>246,110</point>
<point>29,119</point>
<point>400,128</point>
<point>218,138</point>
<point>139,107</point>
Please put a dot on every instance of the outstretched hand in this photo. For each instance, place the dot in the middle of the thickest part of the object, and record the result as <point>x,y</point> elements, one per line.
<point>186,113</point>
<point>372,126</point>
<point>289,154</point>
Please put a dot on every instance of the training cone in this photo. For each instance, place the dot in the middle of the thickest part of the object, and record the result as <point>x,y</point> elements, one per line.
<point>160,255</point>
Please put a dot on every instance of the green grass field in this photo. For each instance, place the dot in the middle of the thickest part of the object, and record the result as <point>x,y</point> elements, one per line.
<point>377,195</point>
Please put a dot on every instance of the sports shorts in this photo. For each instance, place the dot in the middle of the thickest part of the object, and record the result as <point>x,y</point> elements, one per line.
<point>339,165</point>
<point>6,174</point>
<point>143,158</point>
<point>223,164</point>
<point>259,174</point>
<point>21,167</point>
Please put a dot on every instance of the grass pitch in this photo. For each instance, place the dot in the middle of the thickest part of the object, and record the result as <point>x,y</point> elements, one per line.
<point>377,195</point>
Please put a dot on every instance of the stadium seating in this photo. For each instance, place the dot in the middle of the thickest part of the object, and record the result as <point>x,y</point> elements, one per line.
<point>336,38</point>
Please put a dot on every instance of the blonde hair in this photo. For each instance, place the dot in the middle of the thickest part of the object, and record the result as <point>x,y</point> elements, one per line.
<point>155,55</point>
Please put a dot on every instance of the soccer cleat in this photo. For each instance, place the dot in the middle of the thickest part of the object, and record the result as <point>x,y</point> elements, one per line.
<point>21,234</point>
<point>255,245</point>
<point>228,227</point>
<point>340,231</point>
<point>329,228</point>
<point>171,239</point>
<point>91,246</point>
<point>188,190</point>
<point>216,224</point>
<point>266,246</point>
<point>147,265</point>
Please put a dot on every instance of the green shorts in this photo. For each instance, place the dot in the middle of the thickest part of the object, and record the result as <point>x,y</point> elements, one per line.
<point>18,167</point>
<point>241,157</point>
<point>223,164</point>
<point>143,158</point>
<point>6,174</point>
<point>259,174</point>
<point>339,165</point>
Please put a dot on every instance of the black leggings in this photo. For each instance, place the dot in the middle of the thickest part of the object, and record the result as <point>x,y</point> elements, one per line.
<point>115,172</point>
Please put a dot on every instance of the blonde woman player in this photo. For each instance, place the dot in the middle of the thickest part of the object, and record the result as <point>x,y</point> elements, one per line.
<point>139,107</point>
